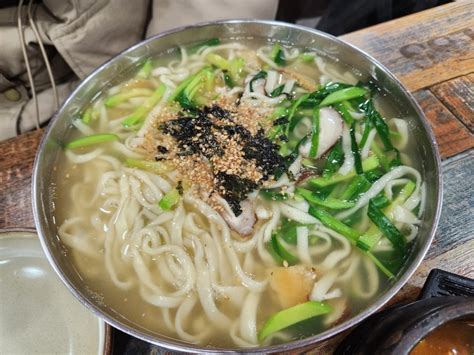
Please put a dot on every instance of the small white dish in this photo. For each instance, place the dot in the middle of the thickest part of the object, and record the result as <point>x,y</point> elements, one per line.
<point>38,315</point>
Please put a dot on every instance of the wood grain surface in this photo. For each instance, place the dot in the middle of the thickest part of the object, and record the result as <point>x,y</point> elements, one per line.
<point>16,164</point>
<point>456,225</point>
<point>425,48</point>
<point>458,96</point>
<point>451,134</point>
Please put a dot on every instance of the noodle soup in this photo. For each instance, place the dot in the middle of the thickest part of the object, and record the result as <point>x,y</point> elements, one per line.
<point>238,193</point>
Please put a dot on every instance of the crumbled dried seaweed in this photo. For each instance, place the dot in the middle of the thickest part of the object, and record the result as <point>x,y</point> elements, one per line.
<point>234,189</point>
<point>195,134</point>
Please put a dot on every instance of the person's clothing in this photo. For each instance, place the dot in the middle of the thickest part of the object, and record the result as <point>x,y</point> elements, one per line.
<point>79,35</point>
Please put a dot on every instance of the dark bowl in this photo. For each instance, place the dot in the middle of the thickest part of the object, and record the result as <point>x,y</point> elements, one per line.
<point>445,297</point>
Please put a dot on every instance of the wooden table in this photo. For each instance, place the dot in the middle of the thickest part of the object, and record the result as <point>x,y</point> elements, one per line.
<point>432,52</point>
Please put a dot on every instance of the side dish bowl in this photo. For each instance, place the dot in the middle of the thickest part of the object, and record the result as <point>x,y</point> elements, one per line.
<point>44,188</point>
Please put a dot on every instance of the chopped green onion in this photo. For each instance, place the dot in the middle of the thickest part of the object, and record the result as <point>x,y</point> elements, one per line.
<point>317,96</point>
<point>307,57</point>
<point>277,55</point>
<point>114,100</point>
<point>370,163</point>
<point>292,111</point>
<point>156,167</point>
<point>210,76</point>
<point>236,66</point>
<point>296,104</point>
<point>387,160</point>
<point>184,84</point>
<point>290,158</point>
<point>140,113</point>
<point>277,91</point>
<point>381,201</point>
<point>260,75</point>
<point>308,163</point>
<point>274,132</point>
<point>185,102</point>
<point>353,235</point>
<point>218,61</point>
<point>169,200</point>
<point>358,185</point>
<point>180,88</point>
<point>209,43</point>
<point>194,85</point>
<point>334,159</point>
<point>371,237</point>
<point>381,266</point>
<point>278,112</point>
<point>284,149</point>
<point>227,79</point>
<point>343,95</point>
<point>397,160</point>
<point>94,139</point>
<point>291,316</point>
<point>280,253</point>
<point>146,69</point>
<point>378,122</point>
<point>328,202</point>
<point>373,175</point>
<point>313,151</point>
<point>405,192</point>
<point>274,252</point>
<point>87,116</point>
<point>323,192</point>
<point>306,112</point>
<point>287,230</point>
<point>331,222</point>
<point>384,159</point>
<point>277,130</point>
<point>186,91</point>
<point>342,107</point>
<point>365,134</point>
<point>273,195</point>
<point>355,151</point>
<point>386,226</point>
<point>294,122</point>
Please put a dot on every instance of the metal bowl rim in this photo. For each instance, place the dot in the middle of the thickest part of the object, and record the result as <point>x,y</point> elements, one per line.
<point>303,343</point>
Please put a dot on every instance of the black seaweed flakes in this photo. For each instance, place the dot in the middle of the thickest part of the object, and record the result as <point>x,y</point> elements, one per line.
<point>281,121</point>
<point>195,134</point>
<point>265,153</point>
<point>217,112</point>
<point>162,149</point>
<point>179,188</point>
<point>234,189</point>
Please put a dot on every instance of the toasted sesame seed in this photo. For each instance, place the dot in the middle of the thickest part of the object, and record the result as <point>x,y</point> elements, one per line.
<point>215,145</point>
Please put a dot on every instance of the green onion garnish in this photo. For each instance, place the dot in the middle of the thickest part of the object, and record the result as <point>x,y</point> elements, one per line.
<point>94,139</point>
<point>291,316</point>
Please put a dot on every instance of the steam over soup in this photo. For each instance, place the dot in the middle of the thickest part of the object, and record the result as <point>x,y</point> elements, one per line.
<point>239,194</point>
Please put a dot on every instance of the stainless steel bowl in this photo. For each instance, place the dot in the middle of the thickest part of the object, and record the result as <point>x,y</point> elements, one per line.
<point>49,151</point>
